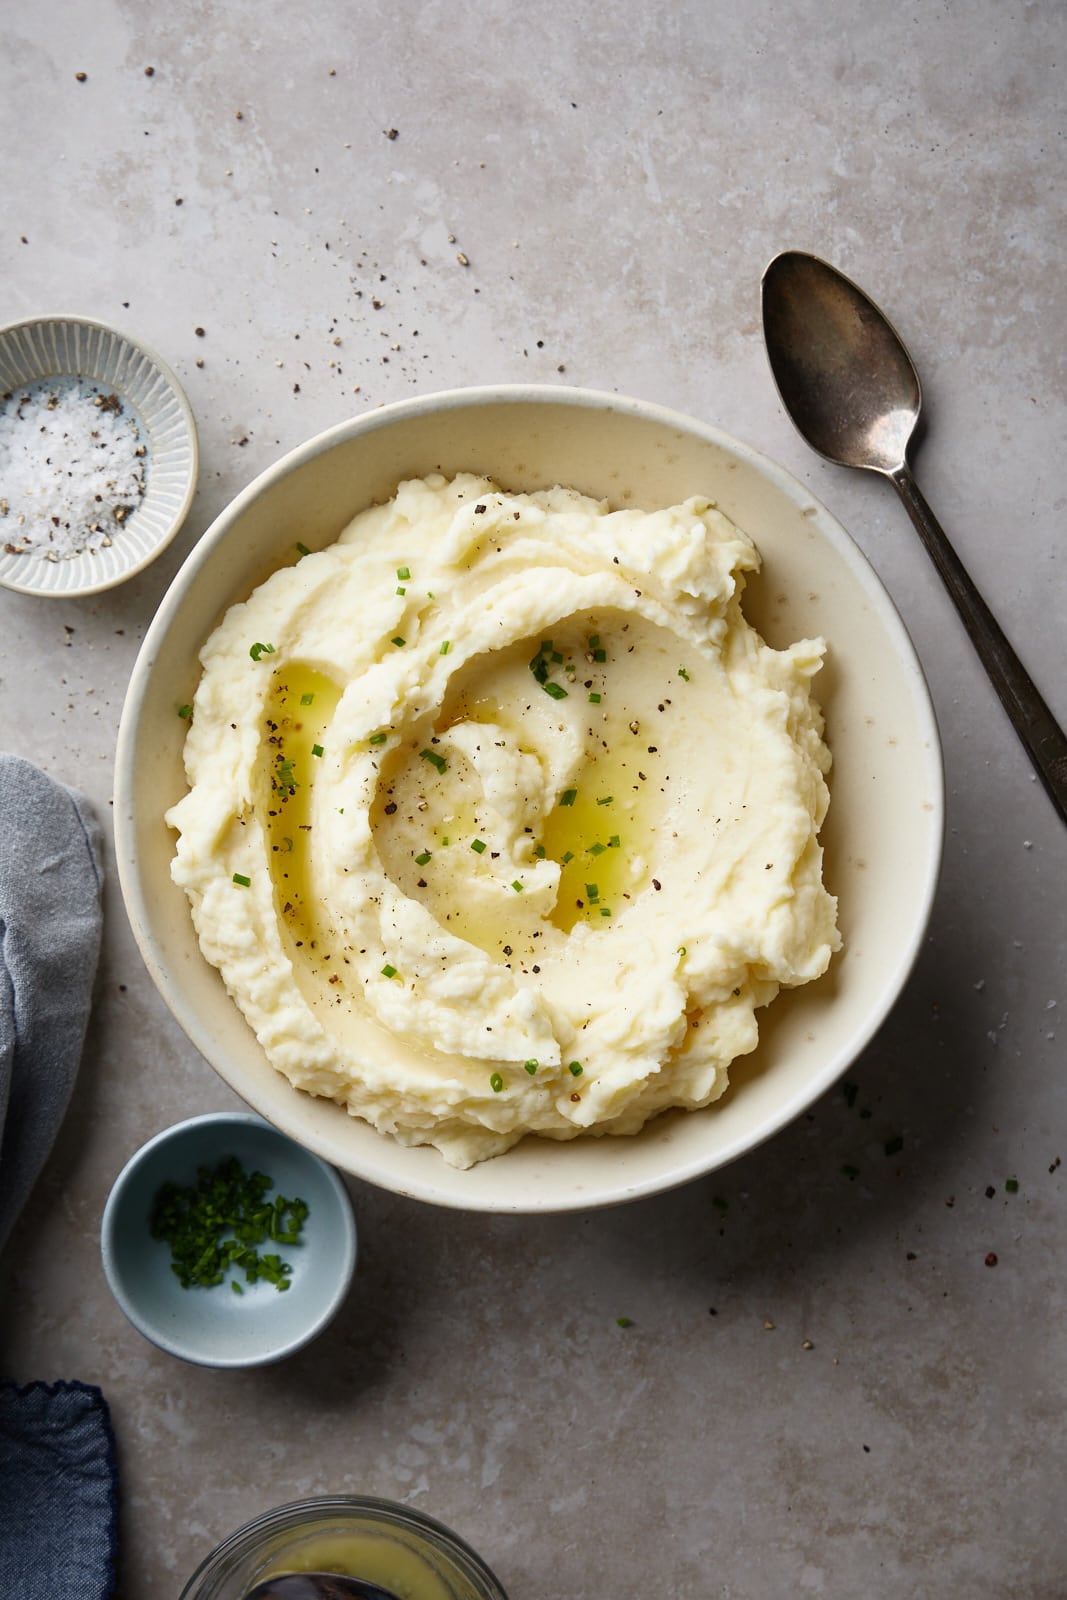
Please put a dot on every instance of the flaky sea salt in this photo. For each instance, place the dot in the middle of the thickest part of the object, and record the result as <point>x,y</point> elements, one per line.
<point>72,468</point>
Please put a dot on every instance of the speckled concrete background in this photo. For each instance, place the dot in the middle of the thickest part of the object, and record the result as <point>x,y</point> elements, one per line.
<point>616,178</point>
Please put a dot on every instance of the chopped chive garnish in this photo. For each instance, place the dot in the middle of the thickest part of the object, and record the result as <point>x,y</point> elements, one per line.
<point>592,891</point>
<point>388,971</point>
<point>517,886</point>
<point>568,855</point>
<point>594,699</point>
<point>555,656</point>
<point>496,1083</point>
<point>398,641</point>
<point>575,1069</point>
<point>600,655</point>
<point>597,849</point>
<point>445,839</point>
<point>624,1322</point>
<point>531,1066</point>
<point>605,911</point>
<point>258,650</point>
<point>1011,1185</point>
<point>403,574</point>
<point>478,845</point>
<point>556,690</point>
<point>568,797</point>
<point>307,699</point>
<point>605,800</point>
<point>283,777</point>
<point>377,738</point>
<point>594,641</point>
<point>303,549</point>
<point>434,759</point>
<point>614,842</point>
<point>420,861</point>
<point>539,851</point>
<point>185,711</point>
<point>683,674</point>
<point>400,589</point>
<point>316,750</point>
<point>446,645</point>
<point>239,877</point>
<point>217,1224</point>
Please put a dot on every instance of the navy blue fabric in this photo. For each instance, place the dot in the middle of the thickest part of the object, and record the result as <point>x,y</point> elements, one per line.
<point>57,1493</point>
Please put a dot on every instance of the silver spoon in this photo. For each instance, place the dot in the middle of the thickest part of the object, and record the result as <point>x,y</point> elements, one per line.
<point>317,1586</point>
<point>851,388</point>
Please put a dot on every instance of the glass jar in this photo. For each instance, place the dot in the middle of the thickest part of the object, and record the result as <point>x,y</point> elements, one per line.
<point>388,1544</point>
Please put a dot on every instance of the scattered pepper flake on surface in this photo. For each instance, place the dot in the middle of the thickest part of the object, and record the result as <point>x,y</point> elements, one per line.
<point>991,1259</point>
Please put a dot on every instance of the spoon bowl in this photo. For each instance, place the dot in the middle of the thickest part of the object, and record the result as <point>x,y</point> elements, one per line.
<point>317,1586</point>
<point>851,388</point>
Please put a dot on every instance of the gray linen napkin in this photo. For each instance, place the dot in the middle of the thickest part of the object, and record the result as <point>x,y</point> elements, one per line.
<point>50,920</point>
<point>57,1450</point>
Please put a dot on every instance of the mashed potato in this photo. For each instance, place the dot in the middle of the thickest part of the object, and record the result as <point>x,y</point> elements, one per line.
<point>502,819</point>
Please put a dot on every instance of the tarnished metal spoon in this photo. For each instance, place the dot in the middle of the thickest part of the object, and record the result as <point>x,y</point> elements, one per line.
<point>317,1586</point>
<point>852,390</point>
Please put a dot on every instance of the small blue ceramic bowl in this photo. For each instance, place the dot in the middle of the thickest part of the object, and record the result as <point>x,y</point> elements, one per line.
<point>217,1327</point>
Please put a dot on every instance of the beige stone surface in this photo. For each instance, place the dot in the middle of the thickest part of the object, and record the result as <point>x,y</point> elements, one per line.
<point>823,1390</point>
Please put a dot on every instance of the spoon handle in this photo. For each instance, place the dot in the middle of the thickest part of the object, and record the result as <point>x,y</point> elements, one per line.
<point>1034,722</point>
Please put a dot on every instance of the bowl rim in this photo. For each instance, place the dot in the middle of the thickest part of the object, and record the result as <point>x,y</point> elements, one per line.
<point>595,1196</point>
<point>173,383</point>
<point>294,1514</point>
<point>343,1251</point>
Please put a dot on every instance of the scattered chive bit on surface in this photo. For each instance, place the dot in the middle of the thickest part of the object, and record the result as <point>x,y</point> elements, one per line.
<point>258,650</point>
<point>302,549</point>
<point>594,699</point>
<point>597,849</point>
<point>1011,1185</point>
<point>239,877</point>
<point>400,589</point>
<point>517,886</point>
<point>683,674</point>
<point>531,1066</point>
<point>605,911</point>
<point>539,851</point>
<point>217,1224</point>
<point>568,855</point>
<point>317,750</point>
<point>605,800</point>
<point>388,971</point>
<point>614,842</point>
<point>624,1322</point>
<point>446,645</point>
<point>556,690</point>
<point>434,759</point>
<point>421,860</point>
<point>403,574</point>
<point>568,797</point>
<point>308,699</point>
<point>185,712</point>
<point>398,641</point>
<point>575,1069</point>
<point>377,738</point>
<point>496,1083</point>
<point>478,845</point>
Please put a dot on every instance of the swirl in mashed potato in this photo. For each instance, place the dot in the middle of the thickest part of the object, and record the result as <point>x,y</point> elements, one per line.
<point>502,819</point>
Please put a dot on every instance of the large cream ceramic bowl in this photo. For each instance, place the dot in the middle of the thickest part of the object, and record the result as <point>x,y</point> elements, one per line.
<point>882,836</point>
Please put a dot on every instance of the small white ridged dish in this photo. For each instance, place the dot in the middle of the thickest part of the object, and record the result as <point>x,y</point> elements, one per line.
<point>62,347</point>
